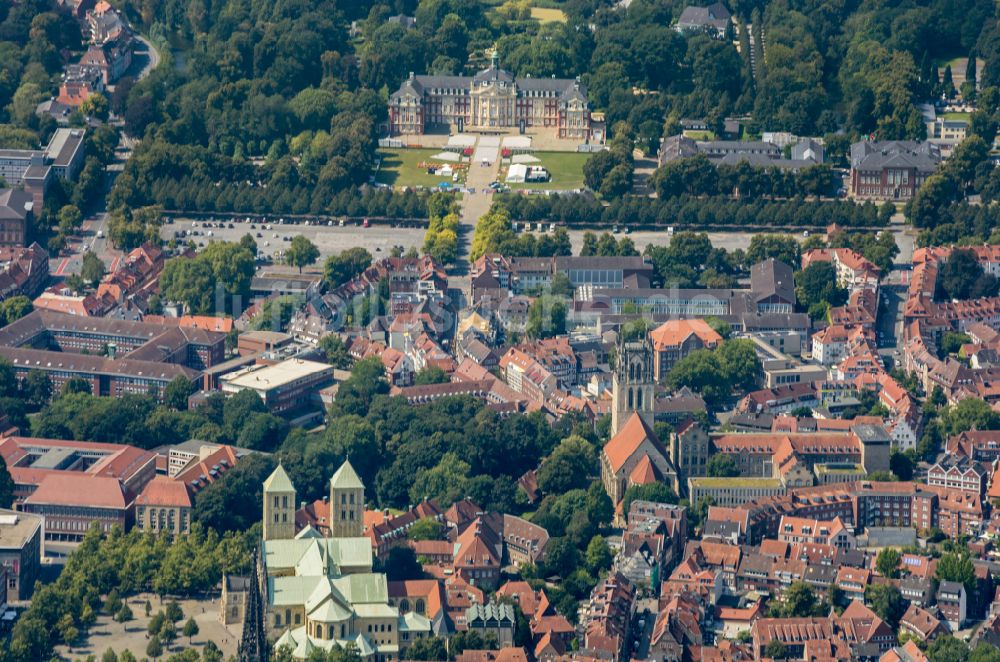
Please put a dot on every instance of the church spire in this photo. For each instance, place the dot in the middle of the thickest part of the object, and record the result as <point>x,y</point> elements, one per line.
<point>253,643</point>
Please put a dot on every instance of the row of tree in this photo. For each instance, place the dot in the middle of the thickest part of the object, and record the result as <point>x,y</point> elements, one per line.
<point>441,239</point>
<point>495,234</point>
<point>194,179</point>
<point>685,211</point>
<point>697,176</point>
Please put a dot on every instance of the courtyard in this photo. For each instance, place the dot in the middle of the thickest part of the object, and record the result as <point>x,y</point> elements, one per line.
<point>132,636</point>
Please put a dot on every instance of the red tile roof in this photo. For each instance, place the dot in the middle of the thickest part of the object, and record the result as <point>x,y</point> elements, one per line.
<point>163,491</point>
<point>676,332</point>
<point>78,489</point>
<point>628,440</point>
<point>644,473</point>
<point>199,474</point>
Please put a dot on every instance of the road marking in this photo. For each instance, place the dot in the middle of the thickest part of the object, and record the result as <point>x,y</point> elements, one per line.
<point>114,263</point>
<point>62,266</point>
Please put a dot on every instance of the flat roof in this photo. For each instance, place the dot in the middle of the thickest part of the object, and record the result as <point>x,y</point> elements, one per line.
<point>266,336</point>
<point>64,145</point>
<point>17,528</point>
<point>36,171</point>
<point>838,467</point>
<point>705,481</point>
<point>25,154</point>
<point>273,376</point>
<point>53,458</point>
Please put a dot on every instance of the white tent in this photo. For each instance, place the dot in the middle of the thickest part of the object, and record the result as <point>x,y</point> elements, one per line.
<point>517,173</point>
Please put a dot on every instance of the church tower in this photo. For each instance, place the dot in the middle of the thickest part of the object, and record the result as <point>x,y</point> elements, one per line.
<point>633,387</point>
<point>279,506</point>
<point>347,503</point>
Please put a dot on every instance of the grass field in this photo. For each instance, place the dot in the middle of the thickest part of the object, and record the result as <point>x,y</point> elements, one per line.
<point>545,15</point>
<point>399,168</point>
<point>699,135</point>
<point>956,116</point>
<point>566,169</point>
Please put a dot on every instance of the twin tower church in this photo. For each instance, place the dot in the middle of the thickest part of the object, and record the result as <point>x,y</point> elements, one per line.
<point>347,505</point>
<point>320,592</point>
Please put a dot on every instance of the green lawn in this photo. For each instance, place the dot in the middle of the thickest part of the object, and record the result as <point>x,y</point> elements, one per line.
<point>699,135</point>
<point>957,116</point>
<point>546,15</point>
<point>566,169</point>
<point>399,168</point>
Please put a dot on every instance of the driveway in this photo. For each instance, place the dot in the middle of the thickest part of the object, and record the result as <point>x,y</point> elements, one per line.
<point>475,205</point>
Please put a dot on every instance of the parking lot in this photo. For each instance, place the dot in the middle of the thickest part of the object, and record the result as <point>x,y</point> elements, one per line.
<point>273,238</point>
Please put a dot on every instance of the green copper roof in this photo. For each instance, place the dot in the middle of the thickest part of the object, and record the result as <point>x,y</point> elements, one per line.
<point>279,481</point>
<point>346,478</point>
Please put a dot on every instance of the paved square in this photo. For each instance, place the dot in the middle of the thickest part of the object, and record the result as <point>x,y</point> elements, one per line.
<point>132,636</point>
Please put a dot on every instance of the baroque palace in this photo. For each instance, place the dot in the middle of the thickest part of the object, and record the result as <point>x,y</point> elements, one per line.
<point>491,101</point>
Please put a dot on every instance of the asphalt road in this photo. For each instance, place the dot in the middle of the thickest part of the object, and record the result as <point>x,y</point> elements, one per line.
<point>148,57</point>
<point>71,261</point>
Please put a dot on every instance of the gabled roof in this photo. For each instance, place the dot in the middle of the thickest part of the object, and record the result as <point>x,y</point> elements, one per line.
<point>79,489</point>
<point>14,203</point>
<point>478,546</point>
<point>163,491</point>
<point>628,440</point>
<point>676,332</point>
<point>644,473</point>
